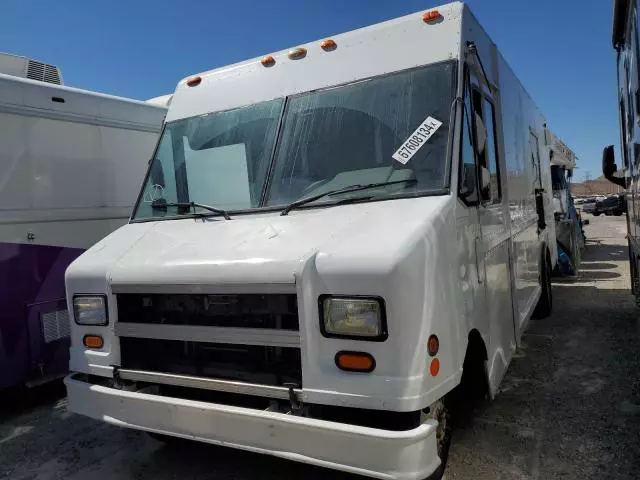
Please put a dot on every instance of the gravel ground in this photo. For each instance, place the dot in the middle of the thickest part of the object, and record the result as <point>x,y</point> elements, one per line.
<point>569,406</point>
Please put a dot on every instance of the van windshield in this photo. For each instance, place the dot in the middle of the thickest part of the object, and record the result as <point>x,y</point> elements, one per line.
<point>267,155</point>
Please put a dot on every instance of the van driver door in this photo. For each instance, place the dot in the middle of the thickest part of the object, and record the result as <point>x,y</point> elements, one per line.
<point>494,240</point>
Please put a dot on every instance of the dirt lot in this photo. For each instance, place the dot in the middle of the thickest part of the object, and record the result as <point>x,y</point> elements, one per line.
<point>569,406</point>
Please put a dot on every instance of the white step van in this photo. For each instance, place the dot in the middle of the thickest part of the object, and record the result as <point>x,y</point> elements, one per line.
<point>331,243</point>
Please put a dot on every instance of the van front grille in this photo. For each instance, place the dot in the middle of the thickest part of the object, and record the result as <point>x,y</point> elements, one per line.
<point>265,365</point>
<point>270,311</point>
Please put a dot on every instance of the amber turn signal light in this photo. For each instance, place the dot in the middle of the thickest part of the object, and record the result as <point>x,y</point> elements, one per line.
<point>194,81</point>
<point>431,16</point>
<point>328,45</point>
<point>355,362</point>
<point>93,341</point>
<point>268,61</point>
<point>433,345</point>
<point>434,368</point>
<point>297,53</point>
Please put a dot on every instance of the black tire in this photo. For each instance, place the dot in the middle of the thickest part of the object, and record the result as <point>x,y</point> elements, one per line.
<point>545,303</point>
<point>635,278</point>
<point>441,412</point>
<point>618,214</point>
<point>596,214</point>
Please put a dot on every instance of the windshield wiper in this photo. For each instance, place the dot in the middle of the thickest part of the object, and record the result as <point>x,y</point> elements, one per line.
<point>162,205</point>
<point>347,189</point>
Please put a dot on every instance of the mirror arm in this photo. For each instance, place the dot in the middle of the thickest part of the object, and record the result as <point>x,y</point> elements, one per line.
<point>609,168</point>
<point>473,50</point>
<point>620,181</point>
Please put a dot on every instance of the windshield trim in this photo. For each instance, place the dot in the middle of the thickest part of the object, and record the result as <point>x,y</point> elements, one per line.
<point>446,190</point>
<point>140,196</point>
<point>315,205</point>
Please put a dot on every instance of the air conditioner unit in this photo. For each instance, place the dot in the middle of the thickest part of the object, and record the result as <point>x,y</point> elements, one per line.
<point>27,68</point>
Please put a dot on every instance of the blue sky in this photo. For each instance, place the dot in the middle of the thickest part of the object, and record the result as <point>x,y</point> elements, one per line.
<point>561,49</point>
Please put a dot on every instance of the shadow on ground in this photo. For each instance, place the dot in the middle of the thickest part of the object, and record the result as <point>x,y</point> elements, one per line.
<point>569,407</point>
<point>15,401</point>
<point>590,265</point>
<point>596,251</point>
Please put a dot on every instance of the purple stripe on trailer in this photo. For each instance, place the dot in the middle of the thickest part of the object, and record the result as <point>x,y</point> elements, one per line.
<point>34,342</point>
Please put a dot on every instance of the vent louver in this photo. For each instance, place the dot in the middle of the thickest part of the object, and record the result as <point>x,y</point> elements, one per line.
<point>43,72</point>
<point>55,325</point>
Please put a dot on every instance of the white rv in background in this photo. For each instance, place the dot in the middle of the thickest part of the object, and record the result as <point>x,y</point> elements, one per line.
<point>569,233</point>
<point>335,245</point>
<point>71,163</point>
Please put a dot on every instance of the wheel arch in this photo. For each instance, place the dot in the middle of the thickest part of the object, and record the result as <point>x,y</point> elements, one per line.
<point>475,378</point>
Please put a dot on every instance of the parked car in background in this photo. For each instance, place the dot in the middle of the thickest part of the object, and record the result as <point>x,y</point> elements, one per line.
<point>589,205</point>
<point>612,205</point>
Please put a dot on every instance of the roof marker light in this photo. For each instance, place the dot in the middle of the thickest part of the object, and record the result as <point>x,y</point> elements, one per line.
<point>268,61</point>
<point>297,53</point>
<point>194,81</point>
<point>431,16</point>
<point>328,45</point>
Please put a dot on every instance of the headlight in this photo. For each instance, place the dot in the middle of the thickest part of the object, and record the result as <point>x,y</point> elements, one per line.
<point>90,310</point>
<point>360,318</point>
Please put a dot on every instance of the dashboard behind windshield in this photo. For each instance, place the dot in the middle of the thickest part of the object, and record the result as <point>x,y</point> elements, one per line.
<point>270,154</point>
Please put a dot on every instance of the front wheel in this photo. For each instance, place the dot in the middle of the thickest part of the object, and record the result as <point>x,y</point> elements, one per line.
<point>440,412</point>
<point>596,214</point>
<point>633,270</point>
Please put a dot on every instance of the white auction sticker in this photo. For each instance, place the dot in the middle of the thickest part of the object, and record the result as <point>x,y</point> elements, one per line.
<point>416,140</point>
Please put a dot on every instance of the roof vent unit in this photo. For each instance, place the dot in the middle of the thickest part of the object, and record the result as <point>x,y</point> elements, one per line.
<point>26,68</point>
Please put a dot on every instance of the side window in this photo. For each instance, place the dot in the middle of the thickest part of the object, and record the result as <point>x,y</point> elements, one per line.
<point>480,133</point>
<point>488,156</point>
<point>491,152</point>
<point>468,184</point>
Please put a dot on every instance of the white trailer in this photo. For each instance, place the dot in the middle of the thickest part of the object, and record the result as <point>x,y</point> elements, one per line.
<point>71,163</point>
<point>331,242</point>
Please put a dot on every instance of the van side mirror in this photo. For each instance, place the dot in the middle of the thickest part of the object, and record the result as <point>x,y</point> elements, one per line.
<point>481,134</point>
<point>609,167</point>
<point>468,184</point>
<point>485,183</point>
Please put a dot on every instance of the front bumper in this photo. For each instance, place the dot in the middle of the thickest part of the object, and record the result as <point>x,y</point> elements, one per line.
<point>365,451</point>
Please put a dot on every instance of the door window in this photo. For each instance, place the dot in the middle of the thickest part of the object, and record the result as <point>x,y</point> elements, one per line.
<point>468,180</point>
<point>491,150</point>
<point>484,114</point>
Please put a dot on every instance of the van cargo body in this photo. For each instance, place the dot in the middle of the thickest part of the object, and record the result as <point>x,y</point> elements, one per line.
<point>329,241</point>
<point>71,162</point>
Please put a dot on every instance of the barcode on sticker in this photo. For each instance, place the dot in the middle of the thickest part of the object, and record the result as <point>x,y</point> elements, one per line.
<point>416,140</point>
